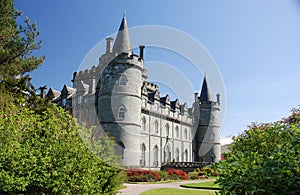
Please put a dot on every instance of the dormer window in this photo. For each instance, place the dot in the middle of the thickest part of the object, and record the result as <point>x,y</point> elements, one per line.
<point>64,101</point>
<point>122,81</point>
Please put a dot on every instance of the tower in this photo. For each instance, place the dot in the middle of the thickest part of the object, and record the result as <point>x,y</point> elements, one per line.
<point>207,137</point>
<point>118,95</point>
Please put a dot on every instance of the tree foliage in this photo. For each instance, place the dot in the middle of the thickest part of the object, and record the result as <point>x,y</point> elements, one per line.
<point>17,43</point>
<point>42,152</point>
<point>265,159</point>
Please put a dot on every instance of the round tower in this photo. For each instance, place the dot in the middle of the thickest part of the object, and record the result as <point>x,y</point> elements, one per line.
<point>119,98</point>
<point>208,148</point>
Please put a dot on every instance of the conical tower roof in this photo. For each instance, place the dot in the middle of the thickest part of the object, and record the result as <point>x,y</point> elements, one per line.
<point>205,95</point>
<point>122,43</point>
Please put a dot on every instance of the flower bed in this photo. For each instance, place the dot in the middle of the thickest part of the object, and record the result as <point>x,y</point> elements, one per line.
<point>140,175</point>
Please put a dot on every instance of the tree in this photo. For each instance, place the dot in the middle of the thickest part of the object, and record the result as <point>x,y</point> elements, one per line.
<point>17,43</point>
<point>42,152</point>
<point>265,159</point>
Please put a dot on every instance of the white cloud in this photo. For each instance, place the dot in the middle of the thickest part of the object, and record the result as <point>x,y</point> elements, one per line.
<point>225,141</point>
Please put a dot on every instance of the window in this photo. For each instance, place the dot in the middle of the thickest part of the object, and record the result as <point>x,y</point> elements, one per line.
<point>143,124</point>
<point>167,130</point>
<point>177,155</point>
<point>80,99</point>
<point>186,155</point>
<point>155,156</point>
<point>143,156</point>
<point>177,131</point>
<point>122,81</point>
<point>167,154</point>
<point>64,101</point>
<point>156,127</point>
<point>121,113</point>
<point>185,134</point>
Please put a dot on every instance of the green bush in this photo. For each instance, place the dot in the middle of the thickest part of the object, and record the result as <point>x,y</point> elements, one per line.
<point>43,152</point>
<point>265,159</point>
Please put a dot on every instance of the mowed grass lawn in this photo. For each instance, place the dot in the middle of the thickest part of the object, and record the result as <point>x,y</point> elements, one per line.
<point>203,185</point>
<point>173,191</point>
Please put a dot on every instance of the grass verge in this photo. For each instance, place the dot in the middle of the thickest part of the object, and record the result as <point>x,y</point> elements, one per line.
<point>173,191</point>
<point>210,185</point>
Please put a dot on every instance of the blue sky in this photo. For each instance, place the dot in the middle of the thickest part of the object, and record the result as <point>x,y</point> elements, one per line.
<point>255,43</point>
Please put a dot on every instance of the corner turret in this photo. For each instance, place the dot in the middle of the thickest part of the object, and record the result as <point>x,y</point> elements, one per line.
<point>207,139</point>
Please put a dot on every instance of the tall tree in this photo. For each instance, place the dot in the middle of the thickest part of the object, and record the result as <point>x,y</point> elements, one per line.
<point>17,42</point>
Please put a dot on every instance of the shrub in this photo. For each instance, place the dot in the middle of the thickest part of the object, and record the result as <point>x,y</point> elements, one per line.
<point>264,160</point>
<point>163,175</point>
<point>141,172</point>
<point>178,172</point>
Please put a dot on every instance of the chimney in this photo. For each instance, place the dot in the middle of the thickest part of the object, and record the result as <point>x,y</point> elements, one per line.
<point>218,98</point>
<point>196,97</point>
<point>142,47</point>
<point>109,45</point>
<point>43,91</point>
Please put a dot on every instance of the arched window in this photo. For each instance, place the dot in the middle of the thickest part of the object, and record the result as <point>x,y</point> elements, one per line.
<point>122,80</point>
<point>186,155</point>
<point>167,154</point>
<point>156,126</point>
<point>143,124</point>
<point>177,155</point>
<point>167,130</point>
<point>185,134</point>
<point>176,131</point>
<point>121,112</point>
<point>155,156</point>
<point>143,156</point>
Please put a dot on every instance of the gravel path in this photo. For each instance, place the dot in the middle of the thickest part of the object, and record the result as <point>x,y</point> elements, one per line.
<point>136,189</point>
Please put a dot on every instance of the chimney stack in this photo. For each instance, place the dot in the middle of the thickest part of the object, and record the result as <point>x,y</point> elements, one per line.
<point>142,47</point>
<point>109,45</point>
<point>218,98</point>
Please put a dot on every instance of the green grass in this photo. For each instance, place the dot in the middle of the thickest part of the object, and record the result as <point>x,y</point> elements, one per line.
<point>203,185</point>
<point>172,191</point>
<point>157,182</point>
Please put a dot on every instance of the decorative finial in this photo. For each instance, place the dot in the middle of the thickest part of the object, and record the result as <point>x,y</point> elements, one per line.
<point>124,14</point>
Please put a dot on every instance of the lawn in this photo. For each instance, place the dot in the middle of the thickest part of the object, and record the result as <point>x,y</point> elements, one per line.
<point>173,191</point>
<point>203,185</point>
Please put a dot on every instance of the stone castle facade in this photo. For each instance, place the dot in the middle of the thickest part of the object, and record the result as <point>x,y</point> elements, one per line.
<point>149,130</point>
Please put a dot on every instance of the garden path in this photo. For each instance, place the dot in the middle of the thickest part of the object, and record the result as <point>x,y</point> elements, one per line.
<point>136,189</point>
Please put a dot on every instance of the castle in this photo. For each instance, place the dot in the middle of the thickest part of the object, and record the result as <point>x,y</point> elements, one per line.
<point>149,130</point>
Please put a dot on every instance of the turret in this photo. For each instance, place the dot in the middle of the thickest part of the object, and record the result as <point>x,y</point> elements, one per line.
<point>119,97</point>
<point>207,137</point>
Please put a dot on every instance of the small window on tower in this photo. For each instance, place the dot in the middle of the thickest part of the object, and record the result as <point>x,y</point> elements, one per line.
<point>121,113</point>
<point>122,81</point>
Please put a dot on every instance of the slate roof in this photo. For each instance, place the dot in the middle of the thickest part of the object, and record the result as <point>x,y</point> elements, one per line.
<point>122,43</point>
<point>205,95</point>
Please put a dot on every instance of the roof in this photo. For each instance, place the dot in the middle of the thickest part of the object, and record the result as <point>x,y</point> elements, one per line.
<point>122,43</point>
<point>205,95</point>
<point>53,93</point>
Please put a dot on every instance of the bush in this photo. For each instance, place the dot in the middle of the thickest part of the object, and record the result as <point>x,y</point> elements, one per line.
<point>147,175</point>
<point>265,159</point>
<point>178,172</point>
<point>163,175</point>
<point>42,152</point>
